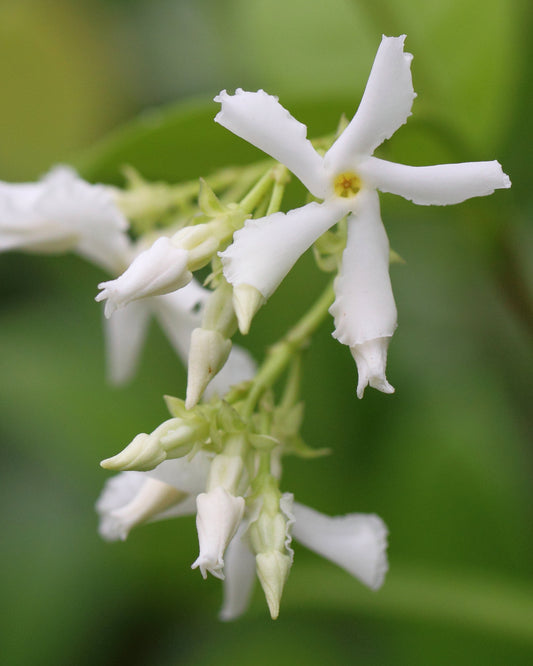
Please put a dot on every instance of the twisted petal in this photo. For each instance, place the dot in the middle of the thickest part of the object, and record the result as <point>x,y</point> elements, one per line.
<point>132,498</point>
<point>364,307</point>
<point>159,270</point>
<point>60,213</point>
<point>264,250</point>
<point>218,516</point>
<point>435,185</point>
<point>385,106</point>
<point>356,542</point>
<point>260,119</point>
<point>125,333</point>
<point>239,572</point>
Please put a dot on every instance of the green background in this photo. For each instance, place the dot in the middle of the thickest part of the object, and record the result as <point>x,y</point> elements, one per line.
<point>447,461</point>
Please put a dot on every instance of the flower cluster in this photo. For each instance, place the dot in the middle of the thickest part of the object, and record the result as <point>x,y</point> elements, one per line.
<point>220,454</point>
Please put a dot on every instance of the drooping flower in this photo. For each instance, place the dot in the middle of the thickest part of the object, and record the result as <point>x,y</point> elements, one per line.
<point>356,542</point>
<point>346,178</point>
<point>63,213</point>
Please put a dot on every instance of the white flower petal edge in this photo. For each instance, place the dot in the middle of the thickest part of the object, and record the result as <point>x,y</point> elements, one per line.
<point>264,250</point>
<point>356,542</point>
<point>260,119</point>
<point>239,576</point>
<point>385,106</point>
<point>239,367</point>
<point>158,270</point>
<point>439,185</point>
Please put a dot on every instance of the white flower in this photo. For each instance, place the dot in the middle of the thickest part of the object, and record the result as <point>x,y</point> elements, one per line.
<point>218,516</point>
<point>346,178</point>
<point>159,270</point>
<point>63,213</point>
<point>133,498</point>
<point>356,542</point>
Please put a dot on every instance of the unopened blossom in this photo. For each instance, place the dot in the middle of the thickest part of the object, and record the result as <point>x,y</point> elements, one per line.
<point>218,515</point>
<point>159,270</point>
<point>346,179</point>
<point>61,213</point>
<point>356,542</point>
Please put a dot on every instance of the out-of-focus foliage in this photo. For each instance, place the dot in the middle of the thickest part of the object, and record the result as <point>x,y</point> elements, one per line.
<point>447,461</point>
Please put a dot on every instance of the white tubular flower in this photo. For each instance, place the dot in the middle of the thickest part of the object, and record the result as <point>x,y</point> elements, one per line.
<point>346,178</point>
<point>356,542</point>
<point>63,213</point>
<point>219,514</point>
<point>160,269</point>
<point>134,498</point>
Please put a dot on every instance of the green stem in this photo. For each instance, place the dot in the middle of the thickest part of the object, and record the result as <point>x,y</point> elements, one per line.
<point>282,353</point>
<point>257,193</point>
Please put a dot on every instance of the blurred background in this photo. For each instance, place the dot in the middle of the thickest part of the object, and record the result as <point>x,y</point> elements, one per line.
<point>447,461</point>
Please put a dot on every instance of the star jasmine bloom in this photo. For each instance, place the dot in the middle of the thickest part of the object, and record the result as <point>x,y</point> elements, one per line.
<point>346,179</point>
<point>356,542</point>
<point>63,213</point>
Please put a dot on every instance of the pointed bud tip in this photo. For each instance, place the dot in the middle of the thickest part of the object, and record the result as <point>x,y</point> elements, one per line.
<point>246,300</point>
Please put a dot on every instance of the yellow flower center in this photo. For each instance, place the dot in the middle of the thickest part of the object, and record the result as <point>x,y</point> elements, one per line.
<point>347,184</point>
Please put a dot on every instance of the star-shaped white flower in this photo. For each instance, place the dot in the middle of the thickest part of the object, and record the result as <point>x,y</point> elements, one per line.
<point>346,178</point>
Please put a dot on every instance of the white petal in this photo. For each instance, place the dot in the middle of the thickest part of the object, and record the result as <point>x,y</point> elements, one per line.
<point>92,212</point>
<point>158,270</point>
<point>189,476</point>
<point>371,360</point>
<point>177,319</point>
<point>132,498</point>
<point>125,333</point>
<point>438,185</point>
<point>260,119</point>
<point>239,576</point>
<point>264,250</point>
<point>239,367</point>
<point>364,307</point>
<point>385,106</point>
<point>219,514</point>
<point>356,542</point>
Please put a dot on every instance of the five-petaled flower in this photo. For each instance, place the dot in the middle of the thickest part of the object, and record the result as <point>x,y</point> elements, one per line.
<point>346,179</point>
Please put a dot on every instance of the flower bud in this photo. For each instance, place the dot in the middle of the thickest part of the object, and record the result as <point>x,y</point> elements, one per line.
<point>159,270</point>
<point>200,241</point>
<point>246,300</point>
<point>208,353</point>
<point>218,517</point>
<point>272,570</point>
<point>172,439</point>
